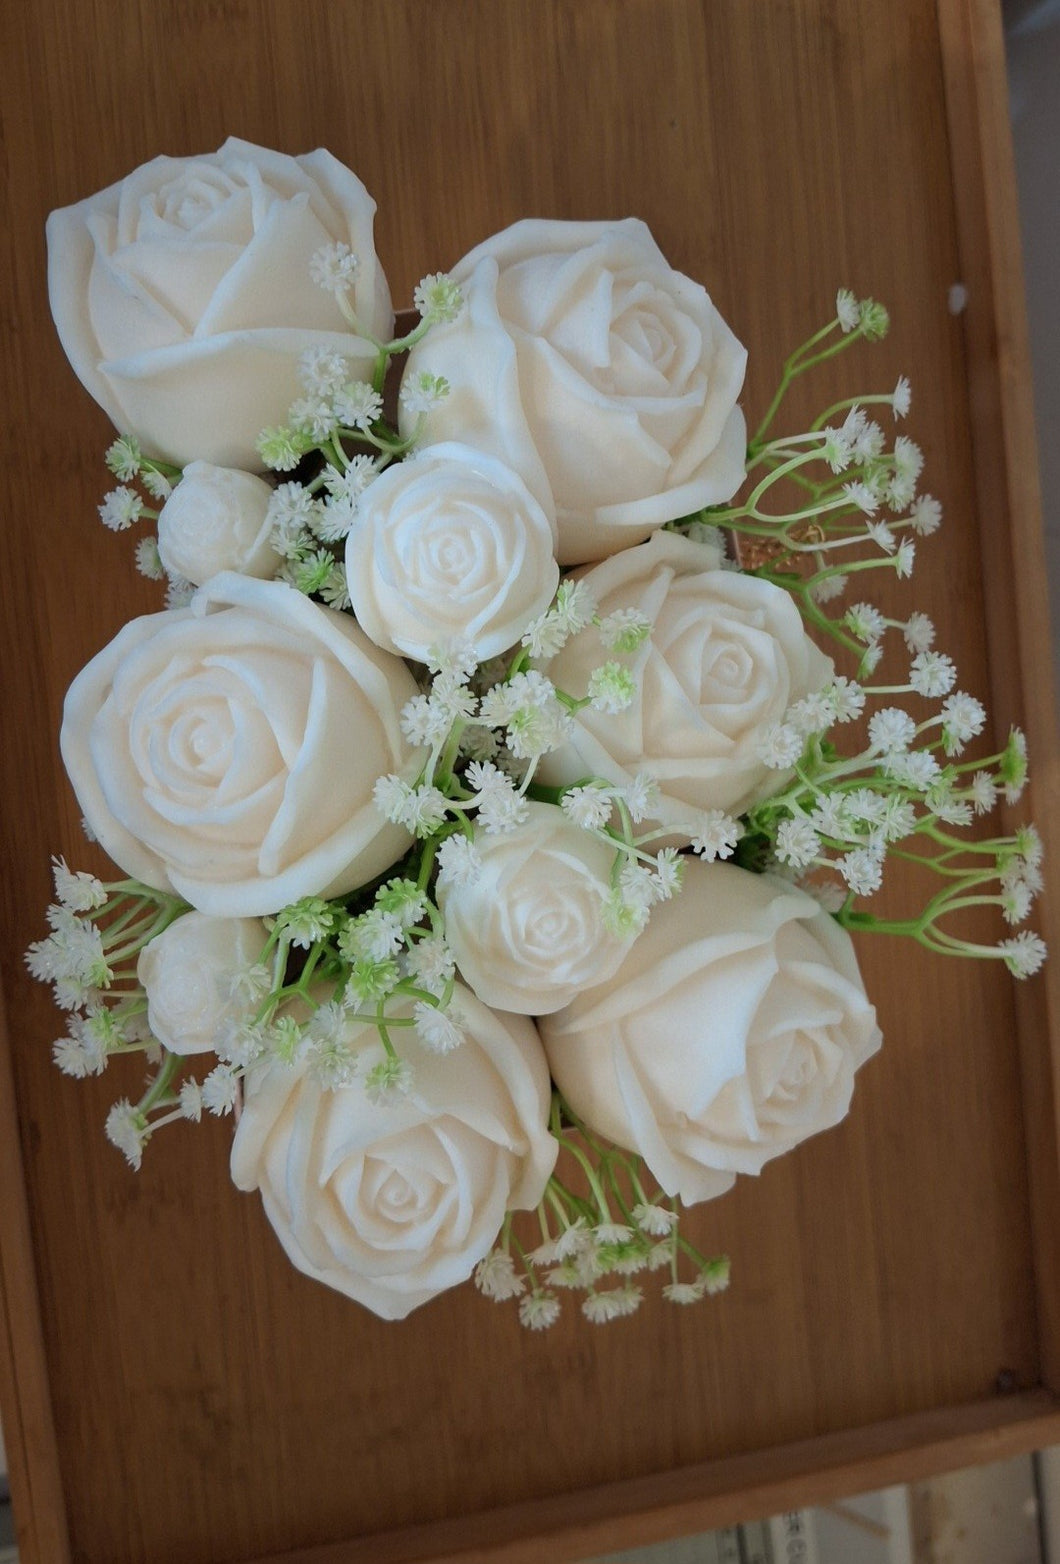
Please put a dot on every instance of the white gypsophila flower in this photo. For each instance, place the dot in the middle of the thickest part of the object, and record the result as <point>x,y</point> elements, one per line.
<point>983,793</point>
<point>656,1221</point>
<point>717,835</point>
<point>1029,843</point>
<point>865,804</point>
<point>1023,954</point>
<point>156,483</point>
<point>502,808</point>
<point>78,890</point>
<point>861,497</point>
<point>917,770</point>
<point>640,796</point>
<point>824,589</point>
<point>358,405</point>
<point>797,843</point>
<point>79,1053</point>
<point>375,935</point>
<point>898,820</point>
<point>963,718</point>
<point>925,515</point>
<point>830,816</point>
<point>220,1089</point>
<point>835,449</point>
<point>812,714</point>
<point>496,1277</point>
<point>865,621</point>
<point>335,589</point>
<point>148,560</point>
<point>599,1307</point>
<point>424,722</point>
<point>179,592</point>
<point>870,660</point>
<point>905,559</point>
<point>780,746</point>
<point>612,688</point>
<point>438,298</point>
<point>882,535</point>
<point>124,458</point>
<point>538,1311</point>
<point>682,1292</point>
<point>388,1081</point>
<point>869,442</point>
<point>546,635</point>
<point>589,806</point>
<point>458,860</point>
<point>322,371</point>
<point>919,633</point>
<point>422,391</point>
<point>126,1129</point>
<point>280,448</point>
<point>862,869</point>
<point>932,674</point>
<point>669,871</point>
<point>436,1030</point>
<point>847,310</point>
<point>191,1100</point>
<point>430,963</point>
<point>891,730</point>
<point>846,698</point>
<point>313,417</point>
<point>624,630</point>
<point>908,458</point>
<point>425,810</point>
<point>120,508</point>
<point>334,268</point>
<point>901,398</point>
<point>1016,901</point>
<point>715,1277</point>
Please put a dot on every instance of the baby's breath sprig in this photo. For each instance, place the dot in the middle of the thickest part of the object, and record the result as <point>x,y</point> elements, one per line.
<point>601,1225</point>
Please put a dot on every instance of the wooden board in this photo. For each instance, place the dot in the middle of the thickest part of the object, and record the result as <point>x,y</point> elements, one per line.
<point>171,1389</point>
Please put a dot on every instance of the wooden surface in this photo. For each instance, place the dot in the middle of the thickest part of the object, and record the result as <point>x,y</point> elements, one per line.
<point>187,1393</point>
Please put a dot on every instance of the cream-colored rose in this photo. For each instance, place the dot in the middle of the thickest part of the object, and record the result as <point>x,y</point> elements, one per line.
<point>528,931</point>
<point>217,519</point>
<point>603,376</point>
<point>183,298</point>
<point>228,750</point>
<point>731,1034</point>
<point>449,546</point>
<point>188,974</point>
<point>393,1203</point>
<point>726,657</point>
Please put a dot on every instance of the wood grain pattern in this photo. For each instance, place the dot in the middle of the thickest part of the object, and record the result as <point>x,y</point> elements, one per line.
<point>209,1403</point>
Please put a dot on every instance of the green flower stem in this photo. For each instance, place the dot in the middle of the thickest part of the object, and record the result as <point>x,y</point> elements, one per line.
<point>169,1067</point>
<point>881,399</point>
<point>793,366</point>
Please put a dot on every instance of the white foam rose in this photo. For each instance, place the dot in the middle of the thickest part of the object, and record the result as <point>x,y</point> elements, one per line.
<point>394,1202</point>
<point>183,298</point>
<point>228,750</point>
<point>726,657</point>
<point>528,930</point>
<point>450,545</point>
<point>732,1032</point>
<point>603,376</point>
<point>217,519</point>
<point>189,973</point>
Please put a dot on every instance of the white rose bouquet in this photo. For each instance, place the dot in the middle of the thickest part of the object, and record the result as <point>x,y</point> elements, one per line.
<point>440,855</point>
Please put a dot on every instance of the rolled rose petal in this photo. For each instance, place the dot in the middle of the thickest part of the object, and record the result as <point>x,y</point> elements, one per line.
<point>528,931</point>
<point>601,375</point>
<point>451,546</point>
<point>189,974</point>
<point>183,298</point>
<point>726,657</point>
<point>228,750</point>
<point>217,519</point>
<point>394,1202</point>
<point>732,1032</point>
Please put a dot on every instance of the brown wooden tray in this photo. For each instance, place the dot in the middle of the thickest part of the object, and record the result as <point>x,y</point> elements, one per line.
<point>171,1388</point>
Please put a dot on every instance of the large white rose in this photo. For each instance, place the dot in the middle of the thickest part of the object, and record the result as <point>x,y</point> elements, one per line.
<point>217,518</point>
<point>393,1203</point>
<point>528,931</point>
<point>450,545</point>
<point>603,376</point>
<point>731,1034</point>
<point>726,657</point>
<point>188,974</point>
<point>228,750</point>
<point>183,299</point>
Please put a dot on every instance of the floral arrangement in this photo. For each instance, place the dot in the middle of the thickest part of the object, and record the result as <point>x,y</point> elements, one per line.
<point>480,794</point>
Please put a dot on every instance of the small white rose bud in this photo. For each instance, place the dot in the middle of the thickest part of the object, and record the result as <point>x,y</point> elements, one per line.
<point>217,519</point>
<point>195,975</point>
